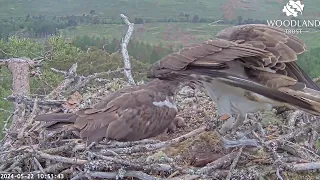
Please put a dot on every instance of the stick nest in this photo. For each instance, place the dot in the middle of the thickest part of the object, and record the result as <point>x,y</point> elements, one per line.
<point>280,145</point>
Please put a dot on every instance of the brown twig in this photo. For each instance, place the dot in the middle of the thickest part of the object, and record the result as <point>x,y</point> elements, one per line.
<point>58,158</point>
<point>73,82</point>
<point>234,163</point>
<point>115,175</point>
<point>39,166</point>
<point>306,166</point>
<point>152,147</point>
<point>227,159</point>
<point>30,102</point>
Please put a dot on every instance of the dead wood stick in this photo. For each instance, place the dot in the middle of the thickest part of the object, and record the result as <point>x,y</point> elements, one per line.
<point>39,166</point>
<point>217,163</point>
<point>151,167</point>
<point>59,158</point>
<point>152,147</point>
<point>125,55</point>
<point>54,168</point>
<point>116,144</point>
<point>30,119</point>
<point>64,148</point>
<point>234,163</point>
<point>306,166</point>
<point>278,174</point>
<point>115,175</point>
<point>6,122</point>
<point>116,160</point>
<point>30,102</point>
<point>83,81</point>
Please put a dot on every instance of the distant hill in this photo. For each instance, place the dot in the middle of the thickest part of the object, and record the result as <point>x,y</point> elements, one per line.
<point>230,9</point>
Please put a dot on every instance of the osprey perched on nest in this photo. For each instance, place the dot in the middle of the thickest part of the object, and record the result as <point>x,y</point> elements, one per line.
<point>129,114</point>
<point>248,68</point>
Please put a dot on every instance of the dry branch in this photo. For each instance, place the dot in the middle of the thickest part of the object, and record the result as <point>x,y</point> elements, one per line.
<point>30,102</point>
<point>74,82</point>
<point>115,175</point>
<point>124,51</point>
<point>234,164</point>
<point>156,146</point>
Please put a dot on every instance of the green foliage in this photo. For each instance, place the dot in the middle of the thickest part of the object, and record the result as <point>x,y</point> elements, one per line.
<point>310,62</point>
<point>97,60</point>
<point>32,26</point>
<point>19,47</point>
<point>318,144</point>
<point>63,54</point>
<point>144,52</point>
<point>5,85</point>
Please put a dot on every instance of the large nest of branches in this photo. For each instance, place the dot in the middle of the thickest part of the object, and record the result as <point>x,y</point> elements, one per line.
<point>280,145</point>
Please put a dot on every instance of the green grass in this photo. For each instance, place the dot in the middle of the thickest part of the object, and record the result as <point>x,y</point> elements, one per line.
<point>257,9</point>
<point>312,38</point>
<point>168,33</point>
<point>155,33</point>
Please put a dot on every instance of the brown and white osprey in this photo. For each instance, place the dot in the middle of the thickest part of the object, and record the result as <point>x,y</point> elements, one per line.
<point>129,114</point>
<point>248,68</point>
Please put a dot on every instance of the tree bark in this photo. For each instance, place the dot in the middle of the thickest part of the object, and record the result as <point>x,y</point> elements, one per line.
<point>19,68</point>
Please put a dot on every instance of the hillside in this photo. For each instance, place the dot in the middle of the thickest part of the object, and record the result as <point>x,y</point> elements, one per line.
<point>230,9</point>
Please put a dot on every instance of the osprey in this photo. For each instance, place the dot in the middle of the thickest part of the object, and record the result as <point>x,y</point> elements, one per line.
<point>247,68</point>
<point>129,114</point>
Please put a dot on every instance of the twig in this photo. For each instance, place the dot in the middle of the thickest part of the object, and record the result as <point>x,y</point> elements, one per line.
<point>316,79</point>
<point>5,110</point>
<point>185,177</point>
<point>30,119</point>
<point>53,168</point>
<point>125,55</point>
<point>152,147</point>
<point>64,73</point>
<point>241,142</point>
<point>6,122</point>
<point>30,102</point>
<point>82,80</point>
<point>116,144</point>
<point>117,160</point>
<point>31,63</point>
<point>217,164</point>
<point>39,166</point>
<point>74,82</point>
<point>59,158</point>
<point>234,163</point>
<point>292,117</point>
<point>114,175</point>
<point>69,78</point>
<point>278,174</point>
<point>306,166</point>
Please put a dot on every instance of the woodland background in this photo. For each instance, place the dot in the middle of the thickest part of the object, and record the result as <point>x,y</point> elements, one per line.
<point>67,31</point>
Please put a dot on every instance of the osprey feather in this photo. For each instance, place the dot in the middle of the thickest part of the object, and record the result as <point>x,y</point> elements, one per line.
<point>129,114</point>
<point>247,68</point>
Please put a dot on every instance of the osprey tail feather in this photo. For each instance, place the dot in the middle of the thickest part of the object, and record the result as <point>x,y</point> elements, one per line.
<point>57,117</point>
<point>57,121</point>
